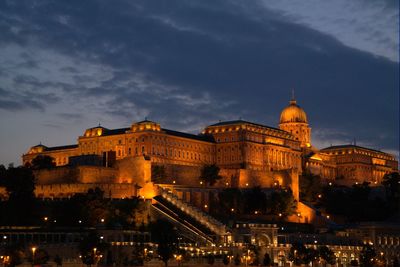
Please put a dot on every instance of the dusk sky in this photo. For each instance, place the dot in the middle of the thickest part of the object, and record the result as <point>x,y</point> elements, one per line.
<point>66,66</point>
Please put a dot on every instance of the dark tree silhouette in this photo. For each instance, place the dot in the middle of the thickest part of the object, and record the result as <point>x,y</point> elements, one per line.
<point>42,162</point>
<point>91,247</point>
<point>15,255</point>
<point>164,234</point>
<point>237,260</point>
<point>210,259</point>
<point>39,257</point>
<point>210,174</point>
<point>310,187</point>
<point>266,260</point>
<point>282,201</point>
<point>255,200</point>
<point>326,255</point>
<point>227,199</point>
<point>58,260</point>
<point>225,260</point>
<point>21,204</point>
<point>157,173</point>
<point>299,254</point>
<point>367,256</point>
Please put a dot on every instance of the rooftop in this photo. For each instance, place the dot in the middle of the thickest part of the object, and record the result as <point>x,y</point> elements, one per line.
<point>223,123</point>
<point>61,147</point>
<point>188,135</point>
<point>350,146</point>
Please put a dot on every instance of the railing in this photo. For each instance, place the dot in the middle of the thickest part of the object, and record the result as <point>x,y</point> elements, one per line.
<point>205,219</point>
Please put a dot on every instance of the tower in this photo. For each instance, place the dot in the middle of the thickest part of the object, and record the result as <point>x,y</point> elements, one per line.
<point>294,120</point>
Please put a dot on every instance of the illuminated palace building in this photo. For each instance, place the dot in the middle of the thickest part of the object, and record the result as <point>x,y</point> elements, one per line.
<point>247,153</point>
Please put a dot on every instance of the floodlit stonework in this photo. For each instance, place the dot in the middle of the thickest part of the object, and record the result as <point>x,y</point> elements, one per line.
<point>248,154</point>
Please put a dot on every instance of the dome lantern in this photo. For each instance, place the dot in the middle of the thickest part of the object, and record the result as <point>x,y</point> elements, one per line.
<point>293,113</point>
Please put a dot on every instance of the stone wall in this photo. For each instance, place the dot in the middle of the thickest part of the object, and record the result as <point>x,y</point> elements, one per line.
<point>67,190</point>
<point>57,175</point>
<point>96,174</point>
<point>133,170</point>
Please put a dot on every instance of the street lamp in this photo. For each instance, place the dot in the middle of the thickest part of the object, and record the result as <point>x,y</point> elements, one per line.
<point>33,255</point>
<point>94,256</point>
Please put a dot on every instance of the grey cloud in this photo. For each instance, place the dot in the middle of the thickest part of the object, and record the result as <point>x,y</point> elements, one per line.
<point>191,63</point>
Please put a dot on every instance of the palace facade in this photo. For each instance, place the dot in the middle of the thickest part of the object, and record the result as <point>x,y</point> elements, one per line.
<point>247,153</point>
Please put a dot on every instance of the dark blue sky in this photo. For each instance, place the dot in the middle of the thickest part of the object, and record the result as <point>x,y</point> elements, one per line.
<point>67,65</point>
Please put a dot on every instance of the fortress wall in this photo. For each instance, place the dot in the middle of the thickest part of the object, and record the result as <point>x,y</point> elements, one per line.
<point>67,190</point>
<point>96,174</point>
<point>182,174</point>
<point>57,175</point>
<point>133,170</point>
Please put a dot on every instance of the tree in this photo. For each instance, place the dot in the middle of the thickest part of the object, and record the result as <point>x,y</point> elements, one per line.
<point>391,182</point>
<point>396,262</point>
<point>225,260</point>
<point>367,256</point>
<point>157,173</point>
<point>310,187</point>
<point>326,255</point>
<point>39,257</point>
<point>42,162</point>
<point>58,260</point>
<point>228,199</point>
<point>20,186</point>
<point>299,254</point>
<point>210,259</point>
<point>164,234</point>
<point>14,255</point>
<point>91,248</point>
<point>237,260</point>
<point>20,183</point>
<point>282,202</point>
<point>354,263</point>
<point>255,200</point>
<point>266,260</point>
<point>210,174</point>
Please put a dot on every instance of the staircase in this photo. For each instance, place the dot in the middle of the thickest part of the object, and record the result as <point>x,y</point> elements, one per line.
<point>191,217</point>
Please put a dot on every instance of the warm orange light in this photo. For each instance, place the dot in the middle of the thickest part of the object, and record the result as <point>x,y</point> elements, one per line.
<point>147,191</point>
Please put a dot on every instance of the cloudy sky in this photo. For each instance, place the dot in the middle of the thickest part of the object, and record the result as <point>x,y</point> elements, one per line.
<point>67,65</point>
